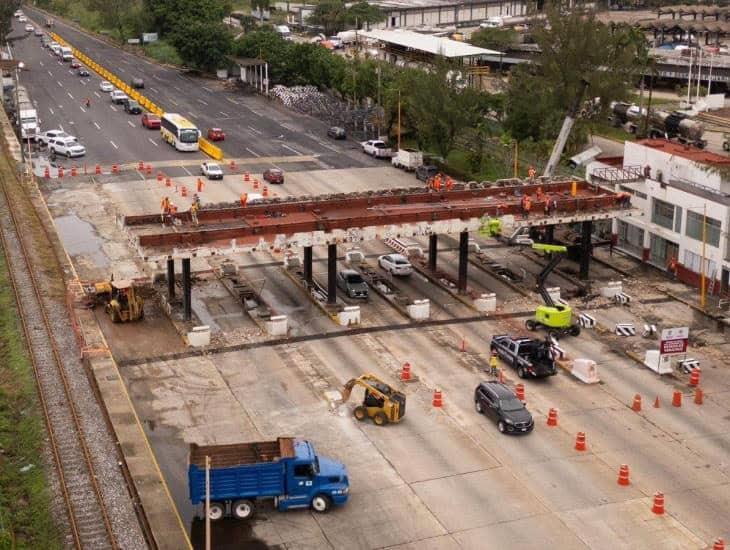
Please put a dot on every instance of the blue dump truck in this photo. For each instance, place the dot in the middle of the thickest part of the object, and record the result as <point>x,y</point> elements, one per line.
<point>287,471</point>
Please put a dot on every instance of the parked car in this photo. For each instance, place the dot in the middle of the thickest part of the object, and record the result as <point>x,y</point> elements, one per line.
<point>38,32</point>
<point>216,134</point>
<point>66,146</point>
<point>29,28</point>
<point>75,64</point>
<point>352,283</point>
<point>376,148</point>
<point>337,132</point>
<point>18,13</point>
<point>106,86</point>
<point>151,121</point>
<point>132,107</point>
<point>83,71</point>
<point>498,402</point>
<point>23,19</point>
<point>137,83</point>
<point>396,264</point>
<point>119,97</point>
<point>274,175</point>
<point>48,135</point>
<point>336,42</point>
<point>426,171</point>
<point>211,170</point>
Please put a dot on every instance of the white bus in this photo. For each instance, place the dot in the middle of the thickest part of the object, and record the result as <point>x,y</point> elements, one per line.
<point>179,132</point>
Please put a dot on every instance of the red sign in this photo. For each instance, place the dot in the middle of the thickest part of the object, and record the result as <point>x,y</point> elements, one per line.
<point>673,346</point>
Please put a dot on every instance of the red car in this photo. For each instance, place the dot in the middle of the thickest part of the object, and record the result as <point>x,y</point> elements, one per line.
<point>274,175</point>
<point>216,134</point>
<point>151,121</point>
<point>75,64</point>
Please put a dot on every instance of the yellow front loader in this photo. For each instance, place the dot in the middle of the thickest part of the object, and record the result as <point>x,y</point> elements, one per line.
<point>381,402</point>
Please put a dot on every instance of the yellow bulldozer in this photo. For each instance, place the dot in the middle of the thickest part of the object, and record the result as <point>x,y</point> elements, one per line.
<point>121,300</point>
<point>381,402</point>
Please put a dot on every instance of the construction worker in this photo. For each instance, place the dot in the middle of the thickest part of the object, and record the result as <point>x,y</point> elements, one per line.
<point>531,173</point>
<point>164,208</point>
<point>87,102</point>
<point>244,198</point>
<point>494,365</point>
<point>539,195</point>
<point>624,199</point>
<point>526,206</point>
<point>449,183</point>
<point>437,183</point>
<point>194,212</point>
<point>553,206</point>
<point>196,200</point>
<point>672,267</point>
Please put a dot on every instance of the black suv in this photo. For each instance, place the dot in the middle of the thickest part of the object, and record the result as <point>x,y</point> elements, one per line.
<point>337,132</point>
<point>426,172</point>
<point>498,402</point>
<point>137,83</point>
<point>132,107</point>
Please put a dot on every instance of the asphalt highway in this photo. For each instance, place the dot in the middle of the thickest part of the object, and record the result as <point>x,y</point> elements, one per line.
<point>254,126</point>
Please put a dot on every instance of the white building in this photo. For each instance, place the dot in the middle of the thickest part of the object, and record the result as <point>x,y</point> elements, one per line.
<point>677,188</point>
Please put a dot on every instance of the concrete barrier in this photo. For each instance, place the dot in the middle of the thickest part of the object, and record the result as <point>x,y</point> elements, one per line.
<point>209,149</point>
<point>613,288</point>
<point>291,260</point>
<point>277,325</point>
<point>585,370</point>
<point>486,302</point>
<point>350,315</point>
<point>473,246</point>
<point>661,364</point>
<point>199,336</point>
<point>419,309</point>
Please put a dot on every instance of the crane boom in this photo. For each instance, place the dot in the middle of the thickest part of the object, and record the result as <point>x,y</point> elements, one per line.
<point>565,131</point>
<point>556,251</point>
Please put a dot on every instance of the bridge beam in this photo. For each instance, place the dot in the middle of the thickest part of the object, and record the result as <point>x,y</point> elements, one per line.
<point>463,261</point>
<point>332,274</point>
<point>585,248</point>
<point>433,241</point>
<point>308,265</point>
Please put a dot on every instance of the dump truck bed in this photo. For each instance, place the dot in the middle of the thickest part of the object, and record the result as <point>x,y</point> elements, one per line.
<point>242,453</point>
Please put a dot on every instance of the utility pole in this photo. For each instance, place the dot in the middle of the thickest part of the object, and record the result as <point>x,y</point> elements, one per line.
<point>398,120</point>
<point>207,502</point>
<point>703,294</point>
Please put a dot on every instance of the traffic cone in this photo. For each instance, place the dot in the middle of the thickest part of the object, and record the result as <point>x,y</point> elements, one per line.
<point>637,403</point>
<point>60,171</point>
<point>520,392</point>
<point>694,378</point>
<point>658,507</point>
<point>74,171</point>
<point>623,475</point>
<point>200,185</point>
<point>246,177</point>
<point>719,544</point>
<point>552,419</point>
<point>677,399</point>
<point>405,373</point>
<point>699,396</point>
<point>265,192</point>
<point>115,168</point>
<point>437,399</point>
<point>47,172</point>
<point>580,441</point>
<point>657,404</point>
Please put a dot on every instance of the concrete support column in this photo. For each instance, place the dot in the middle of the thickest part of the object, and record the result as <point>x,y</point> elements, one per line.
<point>433,242</point>
<point>170,279</point>
<point>187,290</point>
<point>549,234</point>
<point>332,274</point>
<point>308,265</point>
<point>463,261</point>
<point>585,248</point>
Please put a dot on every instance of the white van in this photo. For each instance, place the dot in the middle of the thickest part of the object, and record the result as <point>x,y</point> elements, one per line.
<point>284,32</point>
<point>66,53</point>
<point>492,23</point>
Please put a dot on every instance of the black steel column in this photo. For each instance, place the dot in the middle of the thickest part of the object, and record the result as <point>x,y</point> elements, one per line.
<point>331,274</point>
<point>187,290</point>
<point>308,265</point>
<point>463,260</point>
<point>586,246</point>
<point>433,242</point>
<point>170,279</point>
<point>549,234</point>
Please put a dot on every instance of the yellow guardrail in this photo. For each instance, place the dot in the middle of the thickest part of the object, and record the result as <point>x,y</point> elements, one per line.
<point>209,149</point>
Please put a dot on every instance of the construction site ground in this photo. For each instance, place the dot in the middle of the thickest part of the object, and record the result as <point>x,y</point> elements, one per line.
<point>444,478</point>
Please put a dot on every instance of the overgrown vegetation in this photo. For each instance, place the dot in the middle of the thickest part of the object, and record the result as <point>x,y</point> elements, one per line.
<point>25,516</point>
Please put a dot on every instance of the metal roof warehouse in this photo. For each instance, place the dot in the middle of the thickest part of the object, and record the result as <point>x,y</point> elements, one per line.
<point>426,44</point>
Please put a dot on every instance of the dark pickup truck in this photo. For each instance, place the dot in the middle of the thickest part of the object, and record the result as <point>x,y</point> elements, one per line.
<point>528,356</point>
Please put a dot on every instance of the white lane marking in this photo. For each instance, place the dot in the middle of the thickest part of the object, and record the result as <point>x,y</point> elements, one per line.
<point>97,95</point>
<point>125,61</point>
<point>154,91</point>
<point>59,83</point>
<point>114,144</point>
<point>41,62</point>
<point>285,146</point>
<point>153,142</point>
<point>174,102</point>
<point>156,77</point>
<point>191,115</point>
<point>326,146</point>
<point>207,89</point>
<point>231,100</point>
<point>83,82</point>
<point>255,130</point>
<point>201,101</point>
<point>97,126</point>
<point>187,171</point>
<point>113,107</point>
<point>50,73</point>
<point>130,123</point>
<point>50,110</point>
<point>254,153</point>
<point>82,109</point>
<point>287,127</point>
<point>61,128</point>
<point>120,69</point>
<point>224,114</point>
<point>69,95</point>
<point>148,63</point>
<point>254,112</point>
<point>178,89</point>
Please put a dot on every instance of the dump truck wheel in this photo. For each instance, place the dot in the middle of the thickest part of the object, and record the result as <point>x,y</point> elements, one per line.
<point>361,413</point>
<point>321,504</point>
<point>217,511</point>
<point>380,419</point>
<point>243,509</point>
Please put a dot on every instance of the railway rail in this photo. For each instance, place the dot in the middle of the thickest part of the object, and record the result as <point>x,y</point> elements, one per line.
<point>88,518</point>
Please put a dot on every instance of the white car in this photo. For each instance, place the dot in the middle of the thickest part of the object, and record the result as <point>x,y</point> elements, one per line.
<point>48,135</point>
<point>22,19</point>
<point>66,146</point>
<point>106,86</point>
<point>396,264</point>
<point>18,13</point>
<point>376,148</point>
<point>211,170</point>
<point>119,97</point>
<point>29,28</point>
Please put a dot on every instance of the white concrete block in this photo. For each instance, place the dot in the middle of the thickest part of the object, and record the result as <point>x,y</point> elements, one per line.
<point>658,363</point>
<point>613,288</point>
<point>486,302</point>
<point>350,315</point>
<point>277,325</point>
<point>473,246</point>
<point>585,370</point>
<point>199,336</point>
<point>419,309</point>
<point>292,260</point>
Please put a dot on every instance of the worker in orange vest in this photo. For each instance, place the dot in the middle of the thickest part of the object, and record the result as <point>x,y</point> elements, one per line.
<point>449,183</point>
<point>164,208</point>
<point>244,198</point>
<point>672,267</point>
<point>437,183</point>
<point>531,173</point>
<point>194,212</point>
<point>526,206</point>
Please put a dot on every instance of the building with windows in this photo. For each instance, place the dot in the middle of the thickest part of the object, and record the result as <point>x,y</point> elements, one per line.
<point>684,195</point>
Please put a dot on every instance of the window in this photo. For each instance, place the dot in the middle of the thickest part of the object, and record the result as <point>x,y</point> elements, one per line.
<point>630,237</point>
<point>693,228</point>
<point>303,470</point>
<point>693,262</point>
<point>678,219</point>
<point>662,213</point>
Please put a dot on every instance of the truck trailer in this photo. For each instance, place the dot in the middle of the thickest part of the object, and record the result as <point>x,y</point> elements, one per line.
<point>286,471</point>
<point>669,125</point>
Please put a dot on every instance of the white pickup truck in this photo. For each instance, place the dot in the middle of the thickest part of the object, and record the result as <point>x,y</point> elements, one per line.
<point>376,148</point>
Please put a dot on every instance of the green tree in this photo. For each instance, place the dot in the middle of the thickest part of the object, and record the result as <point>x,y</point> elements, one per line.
<point>7,9</point>
<point>168,15</point>
<point>260,6</point>
<point>329,14</point>
<point>203,45</point>
<point>363,14</point>
<point>495,39</point>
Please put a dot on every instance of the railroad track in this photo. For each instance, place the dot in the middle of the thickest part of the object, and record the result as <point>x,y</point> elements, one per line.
<point>88,519</point>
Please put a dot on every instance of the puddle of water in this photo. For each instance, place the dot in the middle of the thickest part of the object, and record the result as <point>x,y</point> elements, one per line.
<point>79,239</point>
